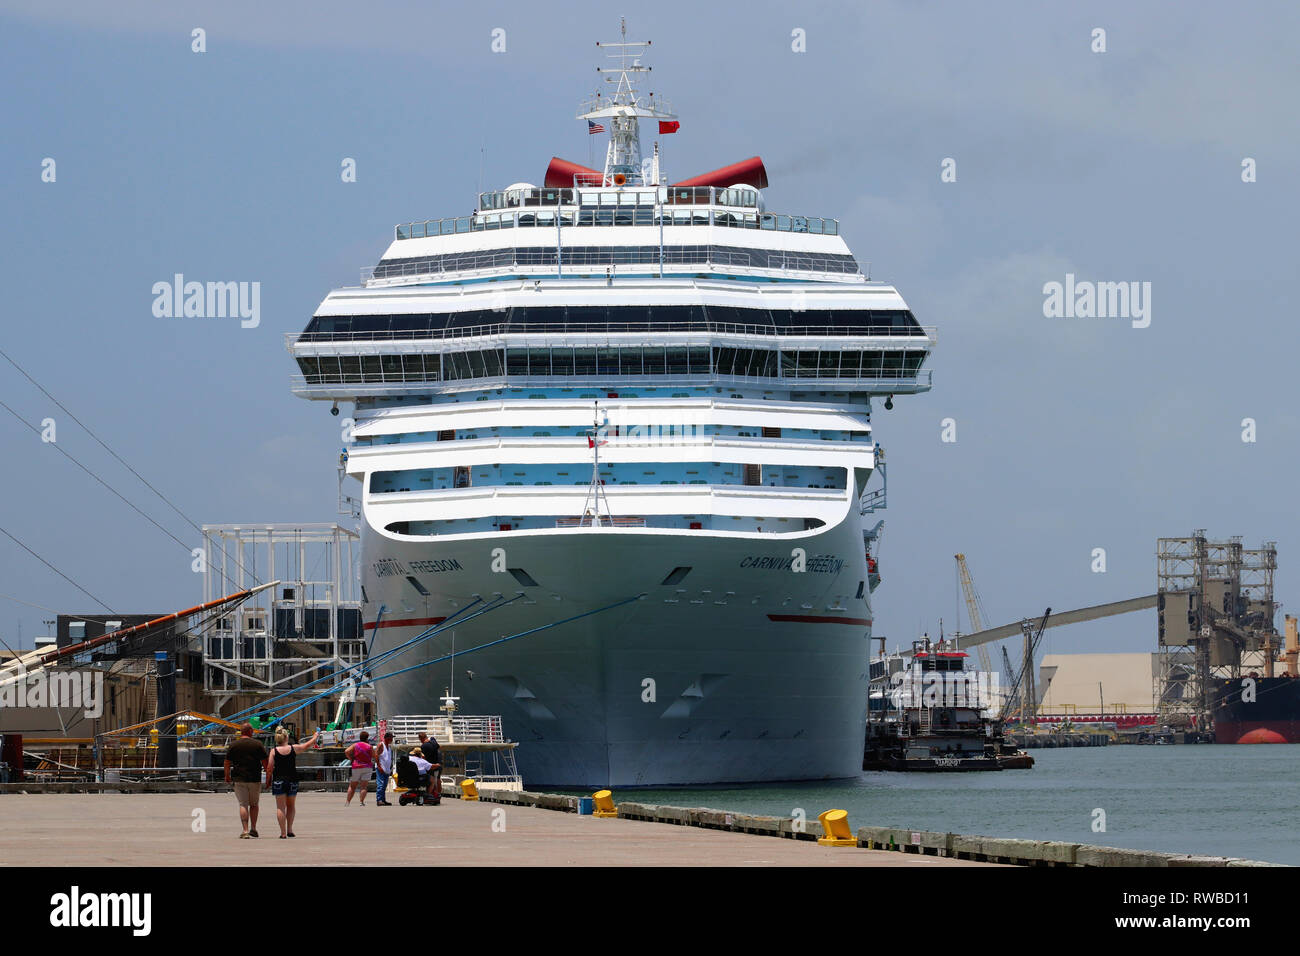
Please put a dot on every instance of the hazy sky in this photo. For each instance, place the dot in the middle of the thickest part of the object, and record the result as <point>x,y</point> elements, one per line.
<point>1072,434</point>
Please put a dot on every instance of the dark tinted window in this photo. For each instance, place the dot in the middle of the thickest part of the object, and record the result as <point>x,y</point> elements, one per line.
<point>650,318</point>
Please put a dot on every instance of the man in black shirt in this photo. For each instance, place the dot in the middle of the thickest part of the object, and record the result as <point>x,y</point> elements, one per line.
<point>245,767</point>
<point>433,753</point>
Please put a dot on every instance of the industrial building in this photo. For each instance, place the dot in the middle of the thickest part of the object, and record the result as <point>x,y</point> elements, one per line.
<point>1216,622</point>
<point>1098,685</point>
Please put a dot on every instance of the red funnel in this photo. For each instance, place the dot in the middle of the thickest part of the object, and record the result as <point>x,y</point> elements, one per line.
<point>749,171</point>
<point>559,175</point>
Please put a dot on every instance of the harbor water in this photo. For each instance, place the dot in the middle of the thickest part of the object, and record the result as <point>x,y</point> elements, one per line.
<point>1234,801</point>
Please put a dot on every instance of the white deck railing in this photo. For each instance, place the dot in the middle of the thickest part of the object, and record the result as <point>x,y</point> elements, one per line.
<point>447,730</point>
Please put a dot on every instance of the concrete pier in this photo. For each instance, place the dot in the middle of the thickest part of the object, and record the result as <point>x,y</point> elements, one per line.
<point>170,826</point>
<point>162,829</point>
<point>1030,852</point>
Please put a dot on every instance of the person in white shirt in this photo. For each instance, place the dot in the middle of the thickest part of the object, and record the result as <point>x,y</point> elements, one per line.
<point>384,769</point>
<point>422,766</point>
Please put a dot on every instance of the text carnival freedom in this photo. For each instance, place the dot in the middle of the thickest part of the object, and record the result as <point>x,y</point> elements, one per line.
<point>386,567</point>
<point>817,563</point>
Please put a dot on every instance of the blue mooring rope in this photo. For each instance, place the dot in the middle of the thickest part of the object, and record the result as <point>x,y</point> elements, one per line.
<point>386,655</point>
<point>480,647</point>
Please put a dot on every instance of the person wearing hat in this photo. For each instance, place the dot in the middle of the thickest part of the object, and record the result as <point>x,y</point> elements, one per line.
<point>421,765</point>
<point>424,769</point>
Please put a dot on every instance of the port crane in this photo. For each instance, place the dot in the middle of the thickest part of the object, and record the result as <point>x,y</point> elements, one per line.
<point>974,610</point>
<point>1021,699</point>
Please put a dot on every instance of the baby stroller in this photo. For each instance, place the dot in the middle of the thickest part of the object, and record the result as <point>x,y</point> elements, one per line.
<point>415,785</point>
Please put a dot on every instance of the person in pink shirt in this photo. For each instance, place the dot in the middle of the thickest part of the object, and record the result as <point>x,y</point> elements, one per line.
<point>362,756</point>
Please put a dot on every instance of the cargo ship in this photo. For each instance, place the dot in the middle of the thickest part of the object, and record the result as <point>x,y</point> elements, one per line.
<point>1257,710</point>
<point>1261,708</point>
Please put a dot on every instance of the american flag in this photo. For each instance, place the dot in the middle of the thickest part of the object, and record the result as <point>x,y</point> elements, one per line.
<point>594,128</point>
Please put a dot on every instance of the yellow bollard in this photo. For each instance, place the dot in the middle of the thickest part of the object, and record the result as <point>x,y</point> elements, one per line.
<point>835,823</point>
<point>604,800</point>
<point>468,789</point>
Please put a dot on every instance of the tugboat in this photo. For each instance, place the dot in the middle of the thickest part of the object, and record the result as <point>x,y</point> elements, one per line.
<point>927,712</point>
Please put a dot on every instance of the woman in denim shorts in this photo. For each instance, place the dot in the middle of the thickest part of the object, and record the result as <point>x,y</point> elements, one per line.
<point>282,777</point>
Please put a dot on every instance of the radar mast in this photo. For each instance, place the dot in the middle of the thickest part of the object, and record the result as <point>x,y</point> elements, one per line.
<point>623,110</point>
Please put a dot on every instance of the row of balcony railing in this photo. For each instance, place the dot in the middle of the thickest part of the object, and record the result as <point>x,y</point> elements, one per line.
<point>656,329</point>
<point>623,215</point>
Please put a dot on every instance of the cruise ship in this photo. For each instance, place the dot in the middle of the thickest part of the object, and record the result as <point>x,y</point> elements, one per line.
<point>614,438</point>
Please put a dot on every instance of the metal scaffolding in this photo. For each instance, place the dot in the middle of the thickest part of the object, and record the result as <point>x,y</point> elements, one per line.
<point>1216,620</point>
<point>308,626</point>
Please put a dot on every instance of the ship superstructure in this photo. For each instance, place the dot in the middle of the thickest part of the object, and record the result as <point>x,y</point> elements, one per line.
<point>643,408</point>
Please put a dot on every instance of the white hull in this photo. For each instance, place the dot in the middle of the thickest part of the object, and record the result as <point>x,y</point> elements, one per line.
<point>739,694</point>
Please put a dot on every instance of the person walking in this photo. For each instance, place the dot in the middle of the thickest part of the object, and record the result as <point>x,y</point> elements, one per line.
<point>282,777</point>
<point>384,770</point>
<point>245,763</point>
<point>362,756</point>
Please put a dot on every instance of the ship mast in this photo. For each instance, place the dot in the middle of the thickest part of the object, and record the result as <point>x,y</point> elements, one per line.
<point>596,500</point>
<point>623,110</point>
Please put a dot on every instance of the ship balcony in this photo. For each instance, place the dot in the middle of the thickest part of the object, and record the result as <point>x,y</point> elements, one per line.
<point>668,260</point>
<point>777,456</point>
<point>670,509</point>
<point>528,330</point>
<point>508,209</point>
<point>888,364</point>
<point>350,387</point>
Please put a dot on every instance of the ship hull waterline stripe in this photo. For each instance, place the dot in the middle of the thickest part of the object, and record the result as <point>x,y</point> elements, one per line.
<point>407,622</point>
<point>818,619</point>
